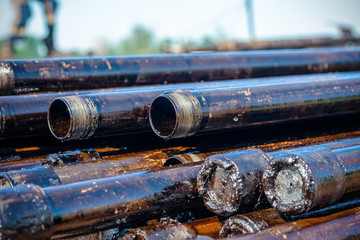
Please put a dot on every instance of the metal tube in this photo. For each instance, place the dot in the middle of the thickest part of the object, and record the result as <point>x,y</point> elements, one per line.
<point>23,76</point>
<point>298,181</point>
<point>26,115</point>
<point>253,222</point>
<point>97,204</point>
<point>54,159</point>
<point>76,117</point>
<point>172,229</point>
<point>181,114</point>
<point>49,175</point>
<point>231,181</point>
<point>341,225</point>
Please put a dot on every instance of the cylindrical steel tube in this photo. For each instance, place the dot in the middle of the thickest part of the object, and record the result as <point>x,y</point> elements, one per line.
<point>54,159</point>
<point>172,229</point>
<point>26,115</point>
<point>22,76</point>
<point>75,117</point>
<point>97,204</point>
<point>250,222</point>
<point>232,181</point>
<point>48,175</point>
<point>341,225</point>
<point>308,178</point>
<point>184,113</point>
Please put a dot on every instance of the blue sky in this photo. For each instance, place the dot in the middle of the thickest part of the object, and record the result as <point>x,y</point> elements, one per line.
<point>84,24</point>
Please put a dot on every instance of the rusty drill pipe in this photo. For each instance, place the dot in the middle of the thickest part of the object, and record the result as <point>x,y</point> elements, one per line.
<point>341,225</point>
<point>97,204</point>
<point>48,175</point>
<point>54,159</point>
<point>299,181</point>
<point>172,229</point>
<point>231,181</point>
<point>76,117</point>
<point>23,76</point>
<point>253,222</point>
<point>182,114</point>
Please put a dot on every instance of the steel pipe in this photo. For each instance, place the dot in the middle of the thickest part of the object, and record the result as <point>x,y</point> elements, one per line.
<point>24,76</point>
<point>180,114</point>
<point>231,181</point>
<point>299,181</point>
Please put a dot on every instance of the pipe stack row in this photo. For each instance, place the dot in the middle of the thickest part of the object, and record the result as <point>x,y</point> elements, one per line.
<point>260,144</point>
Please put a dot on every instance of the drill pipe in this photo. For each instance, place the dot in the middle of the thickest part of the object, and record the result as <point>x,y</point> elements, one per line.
<point>298,181</point>
<point>328,141</point>
<point>181,114</point>
<point>253,222</point>
<point>48,175</point>
<point>76,117</point>
<point>26,115</point>
<point>172,229</point>
<point>23,76</point>
<point>54,159</point>
<point>89,206</point>
<point>341,225</point>
<point>231,181</point>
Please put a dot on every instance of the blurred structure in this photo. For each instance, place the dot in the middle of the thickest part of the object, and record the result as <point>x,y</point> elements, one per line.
<point>347,38</point>
<point>22,14</point>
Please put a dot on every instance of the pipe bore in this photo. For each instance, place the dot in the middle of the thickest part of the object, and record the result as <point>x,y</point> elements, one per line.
<point>73,117</point>
<point>163,117</point>
<point>59,119</point>
<point>175,115</point>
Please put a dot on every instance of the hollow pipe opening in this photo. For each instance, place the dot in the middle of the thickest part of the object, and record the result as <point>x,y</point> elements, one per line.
<point>163,117</point>
<point>59,119</point>
<point>172,161</point>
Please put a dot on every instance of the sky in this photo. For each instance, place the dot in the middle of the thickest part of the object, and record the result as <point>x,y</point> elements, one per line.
<point>84,24</point>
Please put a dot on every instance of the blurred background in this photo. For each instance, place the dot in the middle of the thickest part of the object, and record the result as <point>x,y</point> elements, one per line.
<point>65,28</point>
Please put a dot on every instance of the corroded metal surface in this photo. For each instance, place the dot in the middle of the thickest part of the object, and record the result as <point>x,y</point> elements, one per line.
<point>238,106</point>
<point>90,73</point>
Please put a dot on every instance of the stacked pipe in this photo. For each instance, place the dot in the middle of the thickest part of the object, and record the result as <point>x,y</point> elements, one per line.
<point>214,186</point>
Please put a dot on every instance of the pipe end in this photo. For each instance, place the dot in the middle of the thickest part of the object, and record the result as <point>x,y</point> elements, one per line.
<point>237,225</point>
<point>175,115</point>
<point>183,159</point>
<point>72,117</point>
<point>288,184</point>
<point>7,79</point>
<point>219,184</point>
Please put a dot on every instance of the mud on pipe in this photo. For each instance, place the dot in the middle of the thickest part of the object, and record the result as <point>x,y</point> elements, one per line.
<point>179,114</point>
<point>24,76</point>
